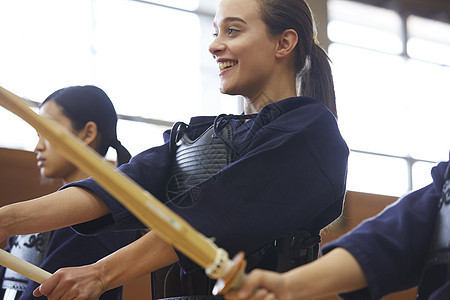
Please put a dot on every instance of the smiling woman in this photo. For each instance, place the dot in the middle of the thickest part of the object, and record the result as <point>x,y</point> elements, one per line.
<point>267,53</point>
<point>136,74</point>
<point>241,70</point>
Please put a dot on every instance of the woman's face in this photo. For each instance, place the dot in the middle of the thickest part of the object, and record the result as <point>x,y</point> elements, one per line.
<point>243,49</point>
<point>51,163</point>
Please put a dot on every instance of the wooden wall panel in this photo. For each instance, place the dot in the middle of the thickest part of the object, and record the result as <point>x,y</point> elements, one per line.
<point>20,178</point>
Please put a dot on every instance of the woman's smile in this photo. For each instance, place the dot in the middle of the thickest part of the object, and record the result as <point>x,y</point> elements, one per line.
<point>226,65</point>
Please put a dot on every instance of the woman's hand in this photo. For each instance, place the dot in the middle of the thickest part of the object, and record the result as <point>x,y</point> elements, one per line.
<point>261,285</point>
<point>83,283</point>
<point>334,273</point>
<point>147,254</point>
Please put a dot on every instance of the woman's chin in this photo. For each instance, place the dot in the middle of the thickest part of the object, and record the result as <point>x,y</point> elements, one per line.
<point>225,89</point>
<point>47,173</point>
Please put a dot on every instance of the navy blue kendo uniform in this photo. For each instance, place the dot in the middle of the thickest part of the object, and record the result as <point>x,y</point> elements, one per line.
<point>400,248</point>
<point>66,248</point>
<point>288,171</point>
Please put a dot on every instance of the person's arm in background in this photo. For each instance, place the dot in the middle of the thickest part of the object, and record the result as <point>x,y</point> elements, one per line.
<point>382,255</point>
<point>335,272</point>
<point>59,209</point>
<point>147,254</point>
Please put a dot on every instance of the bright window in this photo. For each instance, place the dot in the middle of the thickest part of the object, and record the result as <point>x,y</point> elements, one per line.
<point>393,108</point>
<point>428,40</point>
<point>364,26</point>
<point>151,59</point>
<point>375,174</point>
<point>181,4</point>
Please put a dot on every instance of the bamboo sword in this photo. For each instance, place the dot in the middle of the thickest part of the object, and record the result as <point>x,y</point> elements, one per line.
<point>140,202</point>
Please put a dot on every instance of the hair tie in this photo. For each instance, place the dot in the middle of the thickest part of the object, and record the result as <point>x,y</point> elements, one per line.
<point>316,41</point>
<point>116,144</point>
<point>123,156</point>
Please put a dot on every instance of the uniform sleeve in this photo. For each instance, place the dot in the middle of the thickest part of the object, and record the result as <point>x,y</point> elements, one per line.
<point>391,247</point>
<point>149,170</point>
<point>66,248</point>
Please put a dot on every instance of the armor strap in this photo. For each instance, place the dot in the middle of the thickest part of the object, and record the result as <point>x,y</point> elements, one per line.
<point>296,249</point>
<point>292,250</point>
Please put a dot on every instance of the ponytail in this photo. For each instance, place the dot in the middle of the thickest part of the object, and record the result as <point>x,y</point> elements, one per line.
<point>311,61</point>
<point>317,80</point>
<point>82,104</point>
<point>123,156</point>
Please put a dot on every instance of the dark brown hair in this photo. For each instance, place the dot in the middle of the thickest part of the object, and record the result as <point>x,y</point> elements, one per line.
<point>311,61</point>
<point>82,104</point>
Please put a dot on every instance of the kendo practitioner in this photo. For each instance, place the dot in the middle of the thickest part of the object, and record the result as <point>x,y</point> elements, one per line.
<point>276,176</point>
<point>406,245</point>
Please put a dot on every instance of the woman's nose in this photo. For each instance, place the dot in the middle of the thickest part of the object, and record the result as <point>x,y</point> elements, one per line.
<point>216,47</point>
<point>40,145</point>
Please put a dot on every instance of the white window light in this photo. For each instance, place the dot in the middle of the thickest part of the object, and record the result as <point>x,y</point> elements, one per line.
<point>191,5</point>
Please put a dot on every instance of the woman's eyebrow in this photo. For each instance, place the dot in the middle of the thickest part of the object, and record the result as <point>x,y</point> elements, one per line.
<point>231,19</point>
<point>234,19</point>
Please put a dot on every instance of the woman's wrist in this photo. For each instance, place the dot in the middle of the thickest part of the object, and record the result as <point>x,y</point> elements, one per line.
<point>107,274</point>
<point>7,222</point>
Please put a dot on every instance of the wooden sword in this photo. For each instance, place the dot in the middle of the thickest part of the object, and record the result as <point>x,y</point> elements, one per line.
<point>149,210</point>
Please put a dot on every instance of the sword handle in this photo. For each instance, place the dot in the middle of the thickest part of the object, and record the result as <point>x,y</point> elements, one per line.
<point>233,278</point>
<point>23,267</point>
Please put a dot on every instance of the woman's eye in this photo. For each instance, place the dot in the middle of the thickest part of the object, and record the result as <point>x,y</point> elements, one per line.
<point>232,31</point>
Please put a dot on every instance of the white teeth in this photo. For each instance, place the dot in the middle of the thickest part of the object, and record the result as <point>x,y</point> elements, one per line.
<point>227,64</point>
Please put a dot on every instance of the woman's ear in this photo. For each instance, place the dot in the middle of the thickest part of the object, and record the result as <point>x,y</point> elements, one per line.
<point>89,134</point>
<point>286,43</point>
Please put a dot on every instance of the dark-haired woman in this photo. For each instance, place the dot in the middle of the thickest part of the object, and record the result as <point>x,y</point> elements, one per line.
<point>88,113</point>
<point>283,167</point>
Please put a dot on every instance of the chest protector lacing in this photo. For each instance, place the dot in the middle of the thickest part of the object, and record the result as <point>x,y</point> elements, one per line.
<point>200,158</point>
